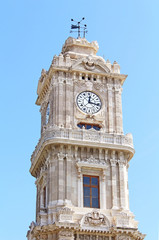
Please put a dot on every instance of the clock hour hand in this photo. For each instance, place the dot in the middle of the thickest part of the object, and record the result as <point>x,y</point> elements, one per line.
<point>89,101</point>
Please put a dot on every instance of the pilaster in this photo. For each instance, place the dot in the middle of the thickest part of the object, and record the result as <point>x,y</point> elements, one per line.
<point>113,163</point>
<point>68,184</point>
<point>68,97</point>
<point>80,196</point>
<point>110,108</point>
<point>60,157</point>
<point>60,100</point>
<point>122,181</point>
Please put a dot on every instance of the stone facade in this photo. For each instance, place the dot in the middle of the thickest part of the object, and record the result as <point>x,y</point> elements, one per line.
<point>65,153</point>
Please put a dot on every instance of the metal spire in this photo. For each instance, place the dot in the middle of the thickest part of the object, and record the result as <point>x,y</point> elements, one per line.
<point>79,27</point>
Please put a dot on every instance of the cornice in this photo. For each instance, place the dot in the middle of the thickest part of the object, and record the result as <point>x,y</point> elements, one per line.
<point>47,79</point>
<point>80,138</point>
<point>76,228</point>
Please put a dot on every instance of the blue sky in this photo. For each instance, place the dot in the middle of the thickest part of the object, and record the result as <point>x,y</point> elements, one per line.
<point>32,32</point>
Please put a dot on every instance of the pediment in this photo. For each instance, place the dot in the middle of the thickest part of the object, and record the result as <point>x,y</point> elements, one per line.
<point>90,64</point>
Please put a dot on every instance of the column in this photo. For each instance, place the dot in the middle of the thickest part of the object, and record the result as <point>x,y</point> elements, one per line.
<point>120,120</point>
<point>60,100</point>
<point>103,189</point>
<point>122,181</point>
<point>60,178</point>
<point>56,100</point>
<point>126,186</point>
<point>117,110</point>
<point>79,187</point>
<point>68,176</point>
<point>110,109</point>
<point>114,182</point>
<point>52,103</point>
<point>68,100</point>
<point>41,199</point>
<point>52,191</point>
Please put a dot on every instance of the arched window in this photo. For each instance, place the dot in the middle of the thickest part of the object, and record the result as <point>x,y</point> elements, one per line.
<point>89,126</point>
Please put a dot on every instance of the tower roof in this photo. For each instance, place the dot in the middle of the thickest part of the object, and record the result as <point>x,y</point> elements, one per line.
<point>79,46</point>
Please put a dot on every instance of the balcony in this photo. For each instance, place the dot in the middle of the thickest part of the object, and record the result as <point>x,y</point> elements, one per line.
<point>83,137</point>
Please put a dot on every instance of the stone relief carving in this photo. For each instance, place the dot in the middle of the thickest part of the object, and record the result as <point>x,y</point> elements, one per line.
<point>95,218</point>
<point>65,210</point>
<point>92,137</point>
<point>92,160</point>
<point>99,86</point>
<point>65,233</point>
<point>89,85</point>
<point>123,219</point>
<point>123,238</point>
<point>89,63</point>
<point>92,237</point>
<point>65,214</point>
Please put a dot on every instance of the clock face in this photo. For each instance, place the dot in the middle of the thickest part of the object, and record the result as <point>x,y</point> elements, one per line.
<point>89,102</point>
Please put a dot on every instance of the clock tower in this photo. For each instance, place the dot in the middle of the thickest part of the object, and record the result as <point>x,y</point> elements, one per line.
<point>81,160</point>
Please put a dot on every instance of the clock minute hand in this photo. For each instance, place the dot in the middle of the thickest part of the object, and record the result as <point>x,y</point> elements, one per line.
<point>94,103</point>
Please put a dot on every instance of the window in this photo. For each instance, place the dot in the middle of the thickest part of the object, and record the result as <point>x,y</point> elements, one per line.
<point>44,197</point>
<point>91,191</point>
<point>89,126</point>
<point>47,113</point>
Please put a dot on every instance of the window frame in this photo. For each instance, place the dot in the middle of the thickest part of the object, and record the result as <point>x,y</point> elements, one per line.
<point>92,186</point>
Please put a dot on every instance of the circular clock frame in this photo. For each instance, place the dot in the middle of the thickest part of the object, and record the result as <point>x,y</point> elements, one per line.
<point>88,102</point>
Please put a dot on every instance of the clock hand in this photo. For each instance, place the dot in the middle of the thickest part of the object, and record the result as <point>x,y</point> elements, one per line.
<point>89,99</point>
<point>94,103</point>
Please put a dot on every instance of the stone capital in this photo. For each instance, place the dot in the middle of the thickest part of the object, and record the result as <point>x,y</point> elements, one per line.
<point>113,162</point>
<point>60,156</point>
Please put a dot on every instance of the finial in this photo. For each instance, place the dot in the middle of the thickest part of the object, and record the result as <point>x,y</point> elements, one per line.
<point>78,26</point>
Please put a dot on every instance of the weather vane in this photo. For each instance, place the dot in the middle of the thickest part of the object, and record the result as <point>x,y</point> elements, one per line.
<point>79,27</point>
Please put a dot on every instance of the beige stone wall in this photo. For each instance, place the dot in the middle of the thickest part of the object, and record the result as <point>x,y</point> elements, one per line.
<point>62,175</point>
<point>64,111</point>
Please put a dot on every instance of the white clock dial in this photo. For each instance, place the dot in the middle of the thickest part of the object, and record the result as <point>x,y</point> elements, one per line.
<point>89,102</point>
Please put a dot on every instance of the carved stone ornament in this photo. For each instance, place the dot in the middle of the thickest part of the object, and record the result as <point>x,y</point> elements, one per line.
<point>91,136</point>
<point>65,210</point>
<point>65,215</point>
<point>89,63</point>
<point>32,225</point>
<point>99,86</point>
<point>44,236</point>
<point>95,218</point>
<point>92,160</point>
<point>65,233</point>
<point>123,220</point>
<point>123,238</point>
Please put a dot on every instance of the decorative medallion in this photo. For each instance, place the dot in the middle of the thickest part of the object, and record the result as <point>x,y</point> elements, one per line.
<point>95,218</point>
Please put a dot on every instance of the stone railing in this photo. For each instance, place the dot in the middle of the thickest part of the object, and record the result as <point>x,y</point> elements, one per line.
<point>54,133</point>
